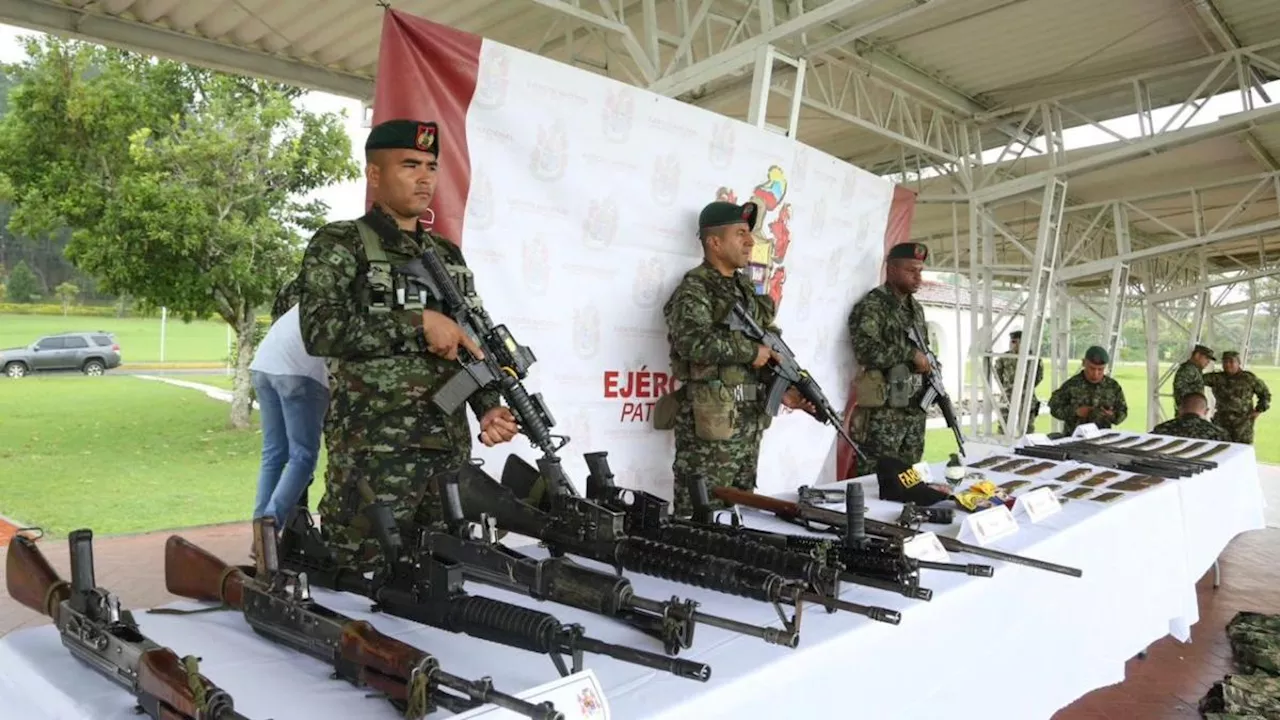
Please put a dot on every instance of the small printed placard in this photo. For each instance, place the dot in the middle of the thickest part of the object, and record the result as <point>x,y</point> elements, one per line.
<point>578,696</point>
<point>926,546</point>
<point>1088,431</point>
<point>926,473</point>
<point>986,526</point>
<point>1037,504</point>
<point>1034,439</point>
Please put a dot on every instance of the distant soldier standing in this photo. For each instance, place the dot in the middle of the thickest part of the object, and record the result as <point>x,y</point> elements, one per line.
<point>1190,422</point>
<point>385,437</point>
<point>888,421</point>
<point>1234,390</point>
<point>718,413</point>
<point>1090,396</point>
<point>1190,375</point>
<point>1006,370</point>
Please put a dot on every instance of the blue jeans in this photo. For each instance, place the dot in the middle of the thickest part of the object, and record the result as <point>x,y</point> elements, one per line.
<point>293,409</point>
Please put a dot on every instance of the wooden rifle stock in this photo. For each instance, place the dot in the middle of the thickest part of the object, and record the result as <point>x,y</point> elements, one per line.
<point>746,498</point>
<point>31,580</point>
<point>195,573</point>
<point>163,676</point>
<point>392,662</point>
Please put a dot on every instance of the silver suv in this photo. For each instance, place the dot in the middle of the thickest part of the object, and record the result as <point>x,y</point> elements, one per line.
<point>92,353</point>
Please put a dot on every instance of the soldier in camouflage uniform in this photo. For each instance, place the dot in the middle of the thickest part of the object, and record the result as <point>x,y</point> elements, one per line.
<point>1006,369</point>
<point>1233,392</point>
<point>385,437</point>
<point>1190,375</point>
<point>1191,422</point>
<point>888,421</point>
<point>718,413</point>
<point>1090,396</point>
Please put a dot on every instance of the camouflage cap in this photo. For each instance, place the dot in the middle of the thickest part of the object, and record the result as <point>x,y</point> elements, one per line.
<point>1230,355</point>
<point>1097,354</point>
<point>1204,350</point>
<point>404,135</point>
<point>909,251</point>
<point>720,213</point>
<point>899,482</point>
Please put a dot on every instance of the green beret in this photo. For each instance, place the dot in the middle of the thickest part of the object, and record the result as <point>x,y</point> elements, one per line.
<point>909,251</point>
<point>1204,350</point>
<point>404,135</point>
<point>1097,355</point>
<point>1230,354</point>
<point>721,213</point>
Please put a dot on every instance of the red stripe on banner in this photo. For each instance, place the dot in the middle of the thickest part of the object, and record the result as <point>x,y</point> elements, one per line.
<point>898,230</point>
<point>427,71</point>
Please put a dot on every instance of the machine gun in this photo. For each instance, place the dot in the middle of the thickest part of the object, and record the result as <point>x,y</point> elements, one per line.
<point>818,518</point>
<point>278,605</point>
<point>1119,458</point>
<point>935,392</point>
<point>647,515</point>
<point>912,515</point>
<point>102,635</point>
<point>787,373</point>
<point>429,589</point>
<point>577,526</point>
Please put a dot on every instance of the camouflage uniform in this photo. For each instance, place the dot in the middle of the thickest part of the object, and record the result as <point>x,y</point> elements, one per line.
<point>878,326</point>
<point>1192,426</point>
<point>1006,369</point>
<point>707,357</point>
<point>1255,693</point>
<point>1077,392</point>
<point>1189,379</point>
<point>1234,395</point>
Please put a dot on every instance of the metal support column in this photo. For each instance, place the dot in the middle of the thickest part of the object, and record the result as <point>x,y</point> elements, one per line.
<point>1248,324</point>
<point>1061,349</point>
<point>1119,282</point>
<point>762,85</point>
<point>1150,313</point>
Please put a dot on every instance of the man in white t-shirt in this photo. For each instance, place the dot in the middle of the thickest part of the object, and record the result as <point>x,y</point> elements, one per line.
<point>293,396</point>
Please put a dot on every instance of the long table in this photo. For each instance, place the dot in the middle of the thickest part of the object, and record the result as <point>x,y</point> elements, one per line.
<point>1019,645</point>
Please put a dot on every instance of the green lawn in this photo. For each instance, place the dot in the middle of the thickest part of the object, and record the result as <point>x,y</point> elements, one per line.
<point>219,380</point>
<point>139,338</point>
<point>122,455</point>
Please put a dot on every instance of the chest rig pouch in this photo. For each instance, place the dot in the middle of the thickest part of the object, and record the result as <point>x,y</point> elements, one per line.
<point>387,289</point>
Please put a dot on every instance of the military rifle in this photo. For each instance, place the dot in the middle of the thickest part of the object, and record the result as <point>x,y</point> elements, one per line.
<point>278,605</point>
<point>935,391</point>
<point>788,373</point>
<point>104,636</point>
<point>822,519</point>
<point>429,589</point>
<point>648,516</point>
<point>1119,458</point>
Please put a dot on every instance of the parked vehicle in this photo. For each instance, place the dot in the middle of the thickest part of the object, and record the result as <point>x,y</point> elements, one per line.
<point>92,353</point>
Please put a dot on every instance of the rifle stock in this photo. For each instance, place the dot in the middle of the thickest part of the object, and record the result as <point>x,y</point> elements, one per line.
<point>195,573</point>
<point>31,580</point>
<point>173,682</point>
<point>734,496</point>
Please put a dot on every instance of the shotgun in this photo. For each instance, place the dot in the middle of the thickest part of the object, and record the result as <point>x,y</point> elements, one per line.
<point>277,604</point>
<point>835,521</point>
<point>102,635</point>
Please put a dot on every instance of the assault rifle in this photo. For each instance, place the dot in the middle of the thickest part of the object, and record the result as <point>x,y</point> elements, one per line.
<point>787,373</point>
<point>577,526</point>
<point>102,635</point>
<point>1137,461</point>
<point>429,589</point>
<point>911,515</point>
<point>818,518</point>
<point>278,605</point>
<point>647,515</point>
<point>935,392</point>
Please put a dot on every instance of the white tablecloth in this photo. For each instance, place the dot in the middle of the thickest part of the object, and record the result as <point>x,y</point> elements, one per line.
<point>1019,645</point>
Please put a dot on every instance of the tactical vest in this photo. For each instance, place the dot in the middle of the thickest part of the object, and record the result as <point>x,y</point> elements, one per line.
<point>384,290</point>
<point>742,377</point>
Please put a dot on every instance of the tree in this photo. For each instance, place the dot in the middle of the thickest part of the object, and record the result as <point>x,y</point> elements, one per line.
<point>23,286</point>
<point>66,293</point>
<point>182,185</point>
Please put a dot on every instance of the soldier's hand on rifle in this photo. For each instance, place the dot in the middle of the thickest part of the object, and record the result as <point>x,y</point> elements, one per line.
<point>1084,412</point>
<point>763,355</point>
<point>444,336</point>
<point>498,426</point>
<point>921,363</point>
<point>794,400</point>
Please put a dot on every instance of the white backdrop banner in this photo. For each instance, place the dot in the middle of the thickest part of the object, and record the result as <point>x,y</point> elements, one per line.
<point>581,217</point>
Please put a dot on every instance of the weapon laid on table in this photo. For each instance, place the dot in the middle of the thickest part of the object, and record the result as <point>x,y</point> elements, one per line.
<point>278,605</point>
<point>647,515</point>
<point>787,373</point>
<point>428,589</point>
<point>1143,462</point>
<point>104,636</point>
<point>826,520</point>
<point>935,391</point>
<point>576,526</point>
